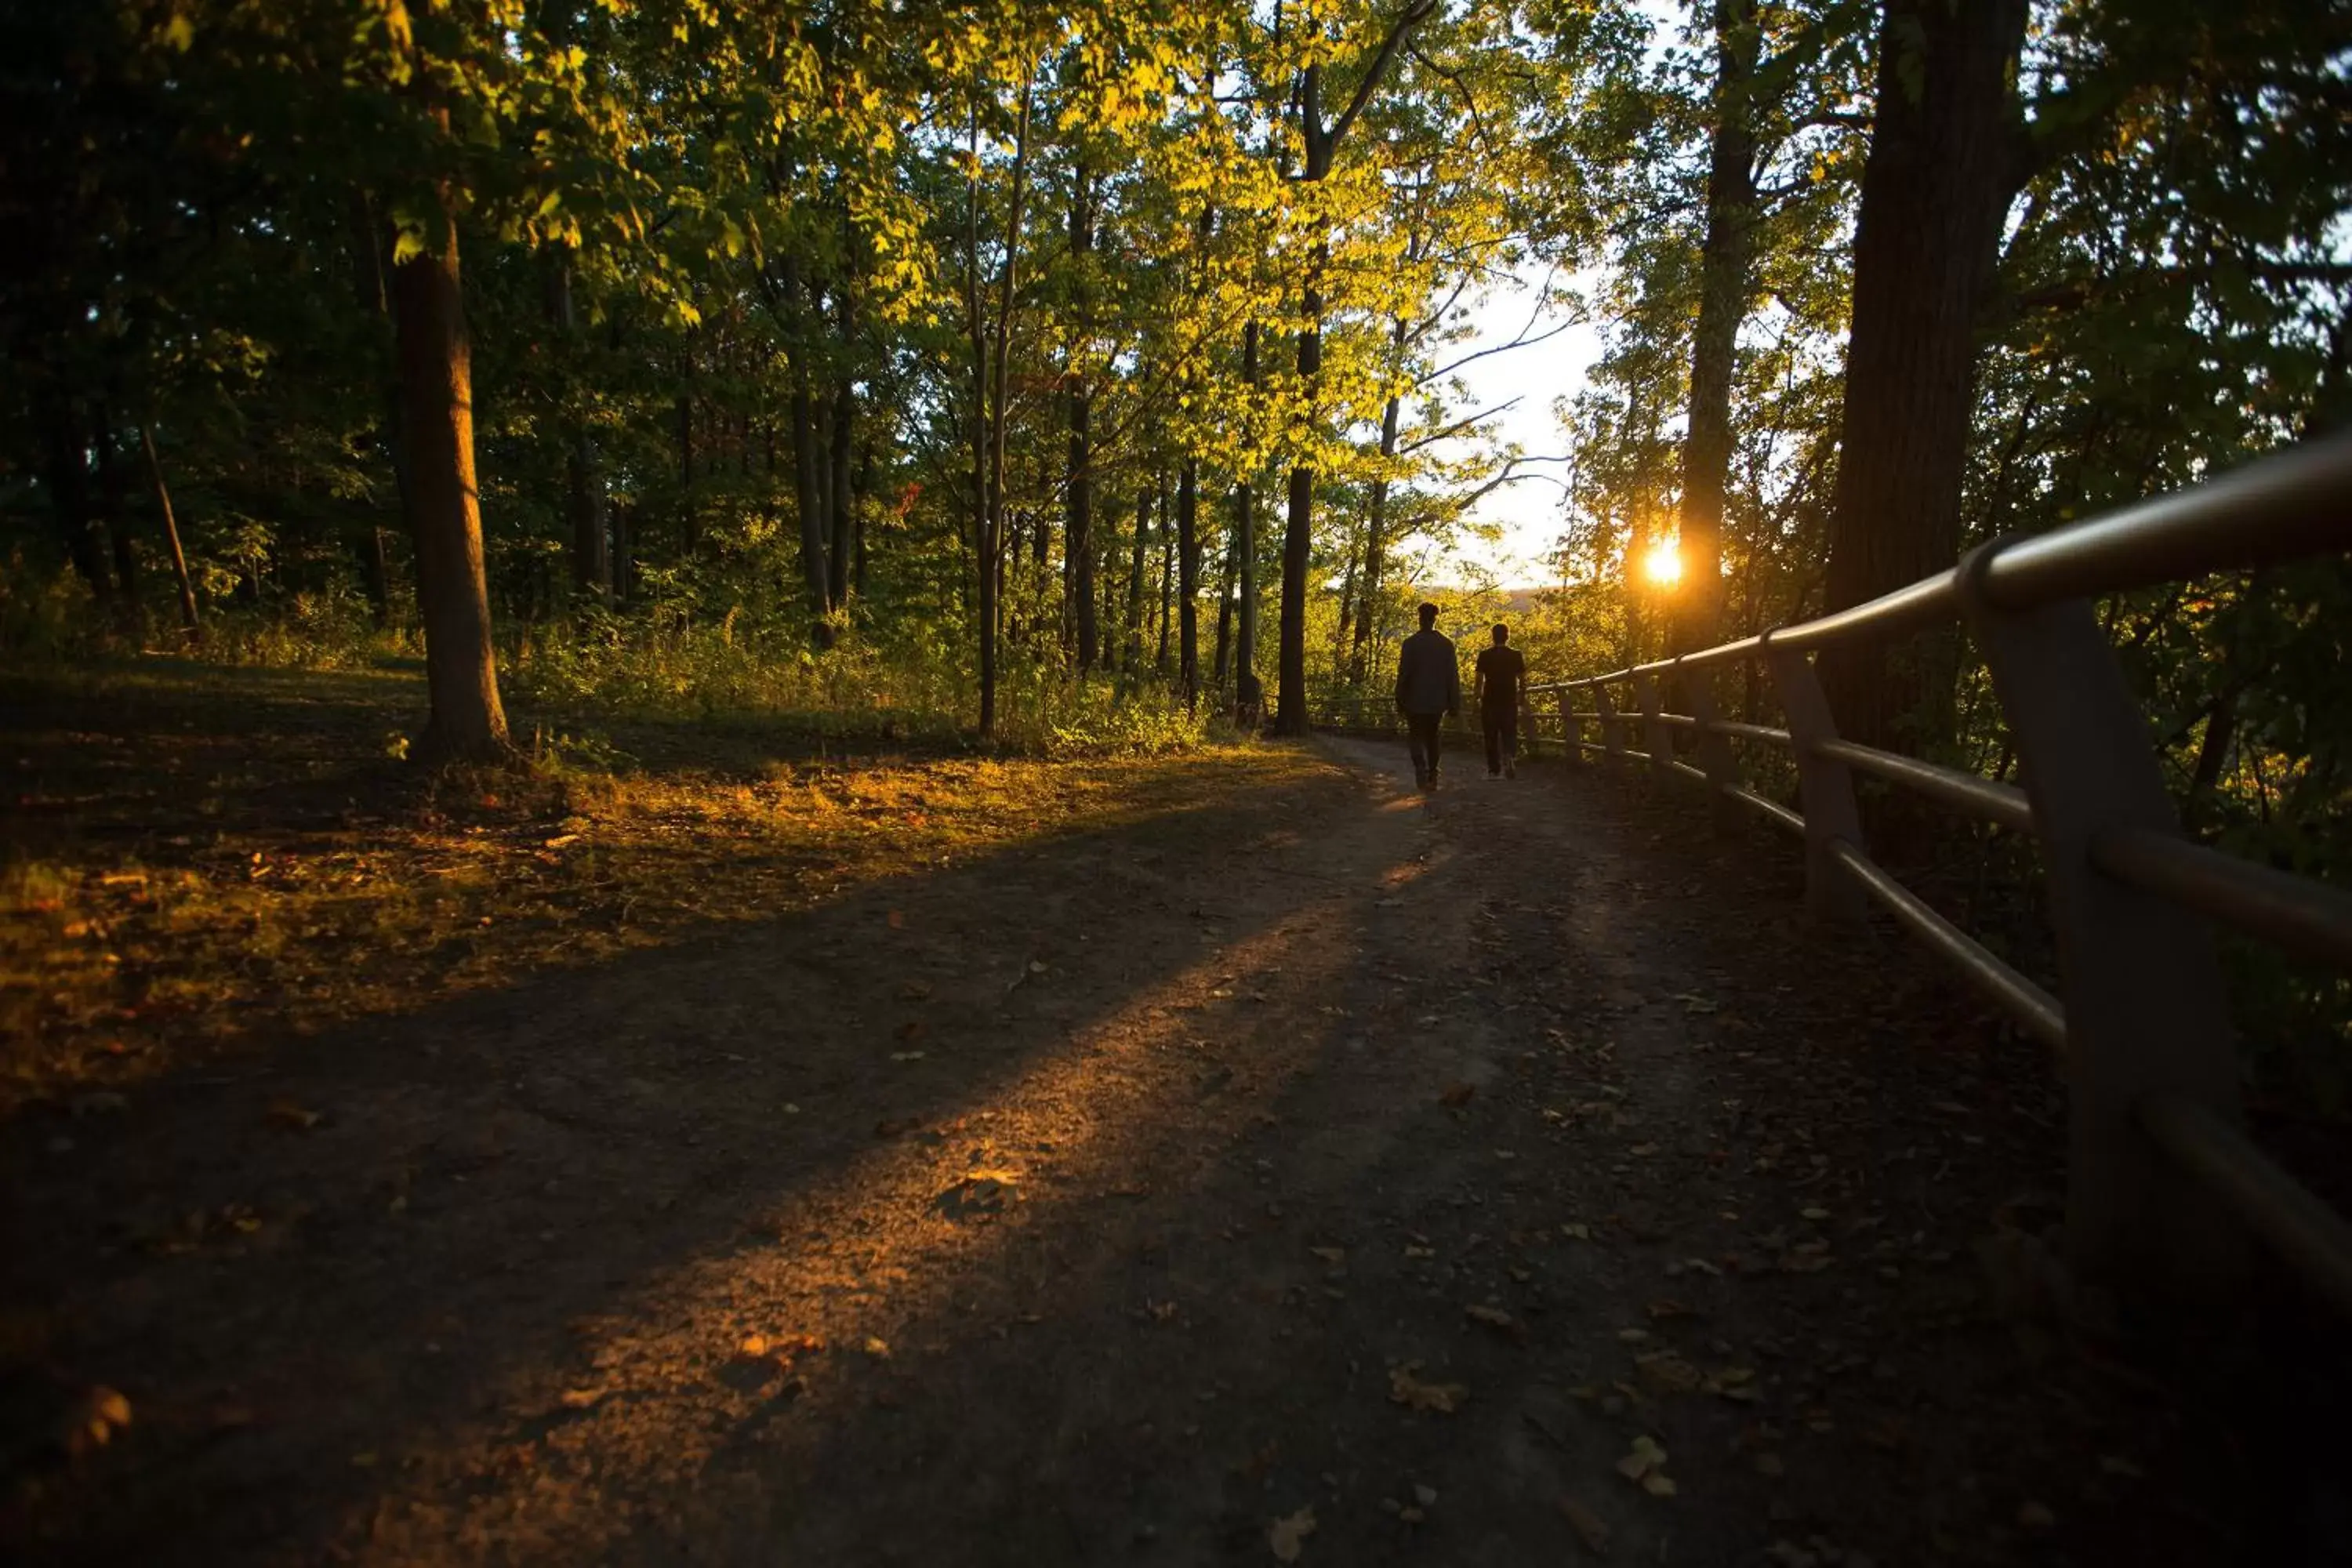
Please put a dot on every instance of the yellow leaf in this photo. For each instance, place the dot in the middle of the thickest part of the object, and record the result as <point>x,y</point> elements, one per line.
<point>1287,1535</point>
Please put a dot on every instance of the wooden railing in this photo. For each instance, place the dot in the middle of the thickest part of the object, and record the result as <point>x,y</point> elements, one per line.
<point>2164,1186</point>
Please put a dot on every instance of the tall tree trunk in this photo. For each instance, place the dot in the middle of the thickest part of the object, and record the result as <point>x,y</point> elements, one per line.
<point>1245,684</point>
<point>584,503</point>
<point>809,499</point>
<point>1322,144</point>
<point>844,441</point>
<point>1223,661</point>
<point>1167,575</point>
<point>860,502</point>
<point>1298,537</point>
<point>1135,616</point>
<point>1376,538</point>
<point>1725,268</point>
<point>688,525</point>
<point>68,476</point>
<point>1188,583</point>
<point>188,619</point>
<point>368,235</point>
<point>1944,165</point>
<point>1007,292</point>
<point>437,385</point>
<point>1078,543</point>
<point>624,560</point>
<point>118,528</point>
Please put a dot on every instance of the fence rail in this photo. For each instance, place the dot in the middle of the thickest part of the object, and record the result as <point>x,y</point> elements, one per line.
<point>2164,1187</point>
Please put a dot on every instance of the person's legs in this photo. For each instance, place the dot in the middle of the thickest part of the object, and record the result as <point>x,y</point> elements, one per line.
<point>1507,725</point>
<point>1424,727</point>
<point>1491,722</point>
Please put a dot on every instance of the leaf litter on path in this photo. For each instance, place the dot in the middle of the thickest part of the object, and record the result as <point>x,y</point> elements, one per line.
<point>1288,1534</point>
<point>1406,1388</point>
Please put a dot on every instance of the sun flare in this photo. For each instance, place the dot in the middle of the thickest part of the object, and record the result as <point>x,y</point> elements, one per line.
<point>1663,565</point>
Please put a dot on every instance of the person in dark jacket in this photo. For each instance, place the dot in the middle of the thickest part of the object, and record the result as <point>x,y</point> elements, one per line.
<point>1502,679</point>
<point>1428,689</point>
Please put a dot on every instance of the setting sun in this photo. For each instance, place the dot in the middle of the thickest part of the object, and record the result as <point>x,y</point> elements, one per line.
<point>1663,565</point>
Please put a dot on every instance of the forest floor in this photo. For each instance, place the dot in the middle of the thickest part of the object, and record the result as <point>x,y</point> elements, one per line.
<point>1230,1158</point>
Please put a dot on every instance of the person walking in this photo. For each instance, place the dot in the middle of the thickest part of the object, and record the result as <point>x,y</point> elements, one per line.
<point>1428,690</point>
<point>1501,681</point>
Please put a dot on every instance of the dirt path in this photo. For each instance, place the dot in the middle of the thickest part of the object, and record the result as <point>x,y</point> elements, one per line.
<point>1400,1167</point>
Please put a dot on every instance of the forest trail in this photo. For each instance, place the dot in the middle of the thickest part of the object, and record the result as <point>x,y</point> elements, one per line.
<point>1338,1177</point>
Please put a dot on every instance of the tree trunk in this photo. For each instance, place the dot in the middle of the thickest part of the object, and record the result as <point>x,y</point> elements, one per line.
<point>844,440</point>
<point>1724,289</point>
<point>368,268</point>
<point>1376,543</point>
<point>1942,171</point>
<point>188,620</point>
<point>118,529</point>
<point>1167,577</point>
<point>444,515</point>
<point>1321,145</point>
<point>1298,537</point>
<point>584,503</point>
<point>1188,583</point>
<point>688,529</point>
<point>1245,684</point>
<point>1223,662</point>
<point>1078,543</point>
<point>809,498</point>
<point>1134,618</point>
<point>860,498</point>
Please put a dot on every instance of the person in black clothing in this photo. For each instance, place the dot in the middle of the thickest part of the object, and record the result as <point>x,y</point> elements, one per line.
<point>1428,689</point>
<point>1502,678</point>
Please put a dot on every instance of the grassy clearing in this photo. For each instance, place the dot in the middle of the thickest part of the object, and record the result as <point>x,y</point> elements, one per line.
<point>198,854</point>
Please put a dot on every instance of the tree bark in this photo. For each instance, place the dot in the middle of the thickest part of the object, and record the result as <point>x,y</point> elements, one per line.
<point>1321,143</point>
<point>189,622</point>
<point>1245,683</point>
<point>1943,168</point>
<point>1725,268</point>
<point>844,439</point>
<point>368,235</point>
<point>1188,583</point>
<point>1376,544</point>
<point>435,360</point>
<point>584,504</point>
<point>118,529</point>
<point>1077,542</point>
<point>1134,617</point>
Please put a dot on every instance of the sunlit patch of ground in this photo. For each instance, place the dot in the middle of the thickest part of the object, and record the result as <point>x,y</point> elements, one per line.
<point>198,856</point>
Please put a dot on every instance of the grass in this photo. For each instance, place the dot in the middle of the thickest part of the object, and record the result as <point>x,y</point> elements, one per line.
<point>200,854</point>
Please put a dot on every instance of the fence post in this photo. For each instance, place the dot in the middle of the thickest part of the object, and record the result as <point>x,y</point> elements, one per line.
<point>2147,1013</point>
<point>1612,749</point>
<point>1657,736</point>
<point>1716,754</point>
<point>1571,729</point>
<point>1825,787</point>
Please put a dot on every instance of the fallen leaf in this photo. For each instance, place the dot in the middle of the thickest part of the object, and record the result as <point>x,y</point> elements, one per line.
<point>1410,1390</point>
<point>895,919</point>
<point>1458,1094</point>
<point>1493,1317</point>
<point>100,1415</point>
<point>1646,1459</point>
<point>878,1348</point>
<point>1334,1255</point>
<point>1588,1526</point>
<point>581,1398</point>
<point>1287,1536</point>
<point>287,1114</point>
